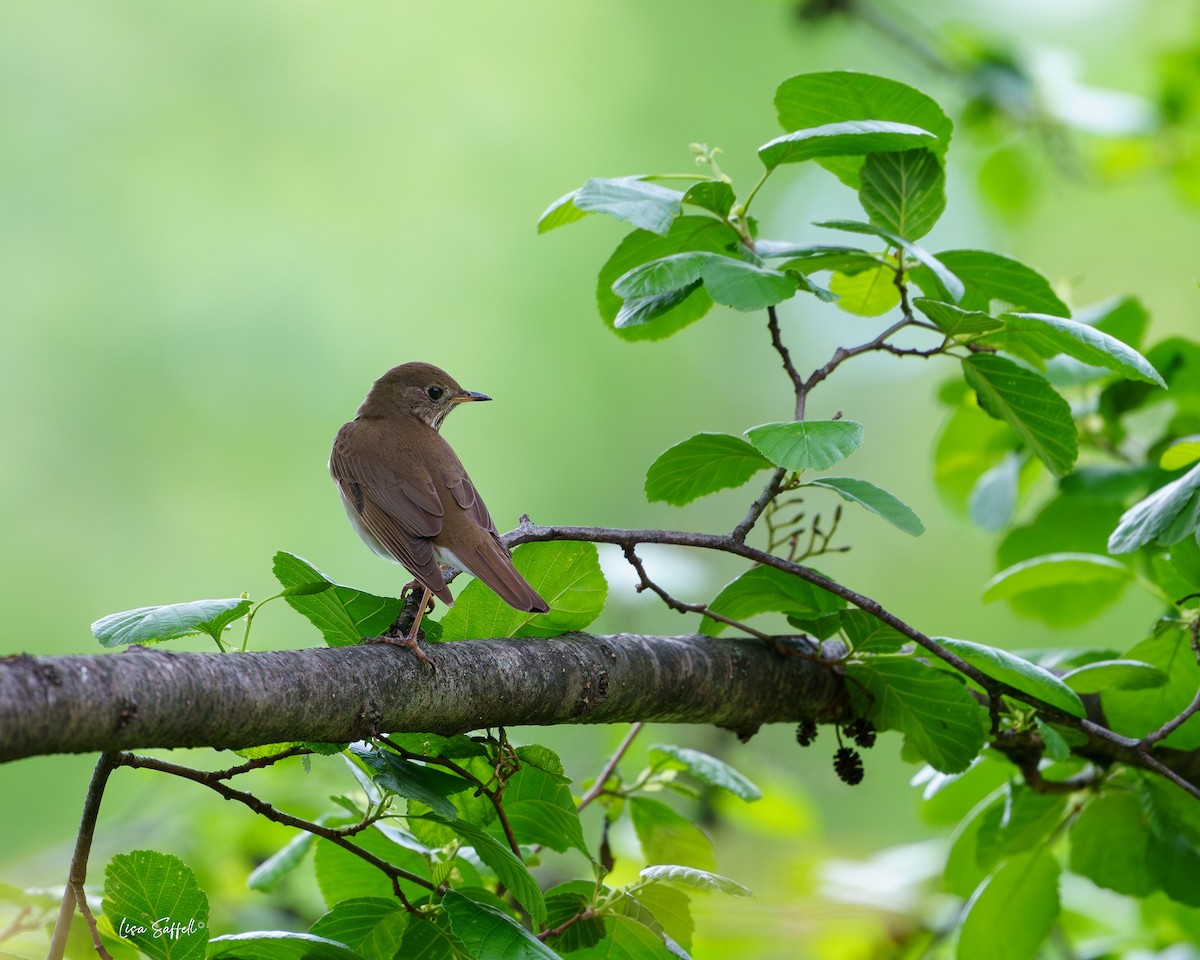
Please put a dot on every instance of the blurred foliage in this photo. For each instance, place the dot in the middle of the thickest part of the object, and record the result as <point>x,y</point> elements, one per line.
<point>217,231</point>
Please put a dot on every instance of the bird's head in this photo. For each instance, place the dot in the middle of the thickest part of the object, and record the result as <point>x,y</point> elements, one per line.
<point>419,390</point>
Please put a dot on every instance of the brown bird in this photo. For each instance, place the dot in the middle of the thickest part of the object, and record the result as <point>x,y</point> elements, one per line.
<point>408,496</point>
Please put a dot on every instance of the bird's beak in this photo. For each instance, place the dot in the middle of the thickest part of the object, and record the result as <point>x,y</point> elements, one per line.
<point>470,395</point>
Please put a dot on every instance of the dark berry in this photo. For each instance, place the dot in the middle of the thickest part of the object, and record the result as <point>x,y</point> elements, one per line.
<point>849,765</point>
<point>806,732</point>
<point>862,732</point>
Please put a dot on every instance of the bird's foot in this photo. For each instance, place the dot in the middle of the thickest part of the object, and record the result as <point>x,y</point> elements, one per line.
<point>403,639</point>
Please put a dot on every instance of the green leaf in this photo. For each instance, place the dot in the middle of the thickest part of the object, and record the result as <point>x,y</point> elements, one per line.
<point>993,499</point>
<point>1039,582</point>
<point>996,283</point>
<point>641,310</point>
<point>1017,672</point>
<point>342,614</point>
<point>1028,404</point>
<point>705,768</point>
<point>735,283</point>
<point>694,879</point>
<point>373,926</point>
<point>1103,675</point>
<point>267,875</point>
<point>341,875</point>
<point>1122,317</point>
<point>1180,455</point>
<point>642,246</point>
<point>875,499</point>
<point>814,257</point>
<point>968,445</point>
<point>276,945</point>
<point>645,205</point>
<point>568,577</point>
<point>904,192</point>
<point>955,321</point>
<point>665,909</point>
<point>1110,843</point>
<point>489,934</point>
<point>714,195</point>
<point>415,781</point>
<point>1045,336</point>
<point>506,865</point>
<point>561,212</point>
<point>761,589</point>
<point>813,99</point>
<point>845,138</point>
<point>154,900</point>
<point>868,634</point>
<point>866,293</point>
<point>1165,517</point>
<point>541,809</point>
<point>950,285</point>
<point>701,465</point>
<point>169,622</point>
<point>668,837</point>
<point>933,709</point>
<point>807,444</point>
<point>1013,911</point>
<point>1136,713</point>
<point>625,939</point>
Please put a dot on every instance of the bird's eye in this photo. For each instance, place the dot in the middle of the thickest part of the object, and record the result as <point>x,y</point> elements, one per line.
<point>435,393</point>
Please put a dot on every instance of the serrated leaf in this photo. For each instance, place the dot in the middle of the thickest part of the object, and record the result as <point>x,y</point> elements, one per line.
<point>568,577</point>
<point>951,286</point>
<point>267,875</point>
<point>668,837</point>
<point>342,875</point>
<point>932,708</point>
<point>1166,516</point>
<point>866,293</point>
<point>277,945</point>
<point>414,781</point>
<point>506,865</point>
<point>735,283</point>
<point>956,322</point>
<point>1028,404</point>
<point>343,614</point>
<point>640,310</point>
<point>1018,673</point>
<point>489,934</point>
<point>875,499</point>
<point>813,99</point>
<point>162,908</point>
<point>540,808</point>
<point>904,192</point>
<point>705,768</point>
<point>868,634</point>
<point>647,206</point>
<point>642,246</point>
<point>807,444</point>
<point>714,195</point>
<point>844,138</point>
<point>762,589</point>
<point>1024,887</point>
<point>169,621</point>
<point>701,465</point>
<point>1109,844</point>
<point>1043,335</point>
<point>994,280</point>
<point>1138,712</point>
<point>373,926</point>
<point>695,879</point>
<point>1180,455</point>
<point>1105,675</point>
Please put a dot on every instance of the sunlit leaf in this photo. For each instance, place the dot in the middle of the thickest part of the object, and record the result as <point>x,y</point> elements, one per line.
<point>1017,672</point>
<point>169,622</point>
<point>807,444</point>
<point>904,192</point>
<point>844,138</point>
<point>702,464</point>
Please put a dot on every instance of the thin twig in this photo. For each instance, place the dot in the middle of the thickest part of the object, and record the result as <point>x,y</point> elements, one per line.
<point>607,771</point>
<point>74,895</point>
<point>264,809</point>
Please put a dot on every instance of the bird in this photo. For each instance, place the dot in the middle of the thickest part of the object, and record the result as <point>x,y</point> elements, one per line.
<point>409,497</point>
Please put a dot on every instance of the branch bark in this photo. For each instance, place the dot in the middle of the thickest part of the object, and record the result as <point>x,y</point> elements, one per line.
<point>150,697</point>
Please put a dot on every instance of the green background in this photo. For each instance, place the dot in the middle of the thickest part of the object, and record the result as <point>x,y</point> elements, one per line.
<point>219,223</point>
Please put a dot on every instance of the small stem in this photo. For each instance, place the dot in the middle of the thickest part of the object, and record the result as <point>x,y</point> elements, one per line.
<point>607,771</point>
<point>73,895</point>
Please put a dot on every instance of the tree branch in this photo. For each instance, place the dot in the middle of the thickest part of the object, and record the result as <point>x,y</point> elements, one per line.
<point>150,697</point>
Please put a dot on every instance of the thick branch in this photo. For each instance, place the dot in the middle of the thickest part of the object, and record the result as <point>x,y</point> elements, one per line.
<point>150,697</point>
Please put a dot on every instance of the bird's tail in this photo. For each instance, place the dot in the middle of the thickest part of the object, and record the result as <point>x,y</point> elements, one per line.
<point>491,563</point>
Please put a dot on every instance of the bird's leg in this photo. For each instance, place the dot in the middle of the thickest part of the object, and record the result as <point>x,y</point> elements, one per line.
<point>400,633</point>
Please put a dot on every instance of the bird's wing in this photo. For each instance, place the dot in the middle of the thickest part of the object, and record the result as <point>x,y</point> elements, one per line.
<point>466,496</point>
<point>401,514</point>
